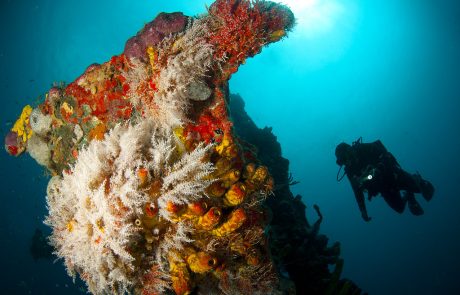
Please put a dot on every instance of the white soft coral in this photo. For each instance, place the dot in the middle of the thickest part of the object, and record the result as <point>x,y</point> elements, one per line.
<point>93,209</point>
<point>184,60</point>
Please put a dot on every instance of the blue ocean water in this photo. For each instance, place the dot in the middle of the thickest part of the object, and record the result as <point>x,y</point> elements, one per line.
<point>378,69</point>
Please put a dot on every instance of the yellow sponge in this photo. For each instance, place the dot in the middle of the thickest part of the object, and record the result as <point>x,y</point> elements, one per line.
<point>22,126</point>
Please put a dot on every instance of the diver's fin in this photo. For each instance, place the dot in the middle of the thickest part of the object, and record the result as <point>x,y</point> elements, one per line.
<point>414,206</point>
<point>427,190</point>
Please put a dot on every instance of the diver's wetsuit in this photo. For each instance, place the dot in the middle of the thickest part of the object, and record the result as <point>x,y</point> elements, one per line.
<point>373,168</point>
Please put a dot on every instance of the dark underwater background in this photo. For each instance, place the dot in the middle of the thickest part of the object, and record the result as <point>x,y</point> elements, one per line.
<point>381,69</point>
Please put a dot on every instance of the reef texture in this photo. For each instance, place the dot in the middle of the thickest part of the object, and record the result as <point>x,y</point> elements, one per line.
<point>152,192</point>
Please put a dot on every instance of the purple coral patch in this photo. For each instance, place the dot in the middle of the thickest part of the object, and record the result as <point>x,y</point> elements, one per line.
<point>11,143</point>
<point>135,48</point>
<point>153,32</point>
<point>11,138</point>
<point>169,23</point>
<point>150,36</point>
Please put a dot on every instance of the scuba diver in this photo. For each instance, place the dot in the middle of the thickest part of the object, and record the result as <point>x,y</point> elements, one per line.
<point>371,168</point>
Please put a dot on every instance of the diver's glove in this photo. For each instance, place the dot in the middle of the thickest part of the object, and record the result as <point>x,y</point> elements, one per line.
<point>365,217</point>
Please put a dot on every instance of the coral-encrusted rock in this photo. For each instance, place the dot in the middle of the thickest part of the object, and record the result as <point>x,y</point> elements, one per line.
<point>150,188</point>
